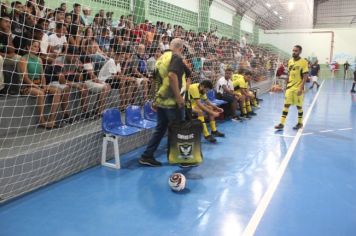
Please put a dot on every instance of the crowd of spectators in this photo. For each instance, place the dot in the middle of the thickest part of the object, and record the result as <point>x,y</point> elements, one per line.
<point>52,51</point>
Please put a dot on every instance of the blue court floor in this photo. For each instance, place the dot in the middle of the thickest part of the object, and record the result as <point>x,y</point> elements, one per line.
<point>316,194</point>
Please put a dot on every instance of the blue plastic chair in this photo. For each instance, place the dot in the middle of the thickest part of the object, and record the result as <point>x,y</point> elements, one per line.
<point>113,127</point>
<point>134,118</point>
<point>211,94</point>
<point>112,124</point>
<point>148,113</point>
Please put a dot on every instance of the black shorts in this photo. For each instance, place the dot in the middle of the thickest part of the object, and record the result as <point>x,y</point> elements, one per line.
<point>226,97</point>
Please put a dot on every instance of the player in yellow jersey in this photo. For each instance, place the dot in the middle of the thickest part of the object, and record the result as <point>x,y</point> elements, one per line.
<point>200,104</point>
<point>241,91</point>
<point>298,74</point>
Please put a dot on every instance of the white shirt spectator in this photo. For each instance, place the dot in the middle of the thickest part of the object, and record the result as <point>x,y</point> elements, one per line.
<point>57,43</point>
<point>108,70</point>
<point>169,33</point>
<point>221,82</point>
<point>163,46</point>
<point>151,64</point>
<point>44,44</point>
<point>243,42</point>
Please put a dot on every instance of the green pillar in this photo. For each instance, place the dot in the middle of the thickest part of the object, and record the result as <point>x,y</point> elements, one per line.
<point>204,15</point>
<point>139,11</point>
<point>236,24</point>
<point>256,34</point>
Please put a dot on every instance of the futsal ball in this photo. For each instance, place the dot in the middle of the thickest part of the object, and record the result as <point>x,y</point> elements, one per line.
<point>177,182</point>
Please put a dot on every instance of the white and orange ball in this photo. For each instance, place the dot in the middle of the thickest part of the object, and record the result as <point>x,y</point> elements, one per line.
<point>177,182</point>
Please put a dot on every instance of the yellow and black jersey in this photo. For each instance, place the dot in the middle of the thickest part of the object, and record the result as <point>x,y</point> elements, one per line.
<point>238,81</point>
<point>194,94</point>
<point>296,69</point>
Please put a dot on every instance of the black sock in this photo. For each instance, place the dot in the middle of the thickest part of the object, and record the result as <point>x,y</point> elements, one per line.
<point>353,86</point>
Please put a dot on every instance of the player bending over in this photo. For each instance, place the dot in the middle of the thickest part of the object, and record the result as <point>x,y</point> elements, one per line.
<point>200,104</point>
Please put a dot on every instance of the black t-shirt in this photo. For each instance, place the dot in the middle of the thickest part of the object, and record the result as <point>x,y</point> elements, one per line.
<point>178,67</point>
<point>346,66</point>
<point>314,70</point>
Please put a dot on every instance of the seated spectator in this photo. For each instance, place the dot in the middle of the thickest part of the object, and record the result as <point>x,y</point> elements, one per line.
<point>85,17</point>
<point>139,70</point>
<point>103,41</point>
<point>74,38</point>
<point>97,25</point>
<point>95,85</point>
<point>2,82</point>
<point>225,91</point>
<point>63,6</point>
<point>151,62</point>
<point>59,15</point>
<point>17,18</point>
<point>68,19</point>
<point>164,44</point>
<point>122,23</point>
<point>30,67</point>
<point>109,20</point>
<point>57,42</point>
<point>76,19</point>
<point>11,58</point>
<point>126,69</point>
<point>67,70</point>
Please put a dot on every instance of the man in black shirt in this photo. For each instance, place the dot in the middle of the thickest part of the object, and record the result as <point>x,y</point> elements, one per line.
<point>169,100</point>
<point>346,69</point>
<point>314,73</point>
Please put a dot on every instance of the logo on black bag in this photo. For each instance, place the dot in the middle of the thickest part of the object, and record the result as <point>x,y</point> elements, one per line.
<point>185,150</point>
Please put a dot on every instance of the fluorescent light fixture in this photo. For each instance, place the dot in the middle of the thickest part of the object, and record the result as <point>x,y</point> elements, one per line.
<point>290,6</point>
<point>281,18</point>
<point>275,12</point>
<point>268,5</point>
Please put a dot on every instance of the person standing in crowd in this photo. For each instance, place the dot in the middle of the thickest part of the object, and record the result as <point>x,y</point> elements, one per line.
<point>169,100</point>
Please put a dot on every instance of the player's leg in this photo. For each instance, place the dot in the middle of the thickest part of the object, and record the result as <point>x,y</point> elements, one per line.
<point>354,84</point>
<point>287,102</point>
<point>200,115</point>
<point>299,104</point>
<point>214,130</point>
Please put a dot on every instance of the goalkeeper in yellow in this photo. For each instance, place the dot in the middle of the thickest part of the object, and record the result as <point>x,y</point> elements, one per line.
<point>199,104</point>
<point>298,74</point>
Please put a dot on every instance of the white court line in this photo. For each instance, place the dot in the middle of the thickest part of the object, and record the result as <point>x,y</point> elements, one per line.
<point>266,199</point>
<point>285,135</point>
<point>346,129</point>
<point>307,134</point>
<point>326,131</point>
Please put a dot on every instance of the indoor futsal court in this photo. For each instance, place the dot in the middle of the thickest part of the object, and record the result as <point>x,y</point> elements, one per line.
<point>178,117</point>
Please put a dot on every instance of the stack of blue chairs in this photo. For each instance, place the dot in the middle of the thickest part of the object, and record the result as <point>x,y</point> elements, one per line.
<point>113,127</point>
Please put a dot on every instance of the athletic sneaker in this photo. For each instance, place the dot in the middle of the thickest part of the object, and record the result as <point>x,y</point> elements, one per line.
<point>252,113</point>
<point>246,116</point>
<point>217,134</point>
<point>236,118</point>
<point>186,165</point>
<point>149,162</point>
<point>298,126</point>
<point>210,138</point>
<point>279,127</point>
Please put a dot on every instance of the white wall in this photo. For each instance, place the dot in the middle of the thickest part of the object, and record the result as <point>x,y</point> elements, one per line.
<point>191,5</point>
<point>247,24</point>
<point>316,44</point>
<point>222,12</point>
